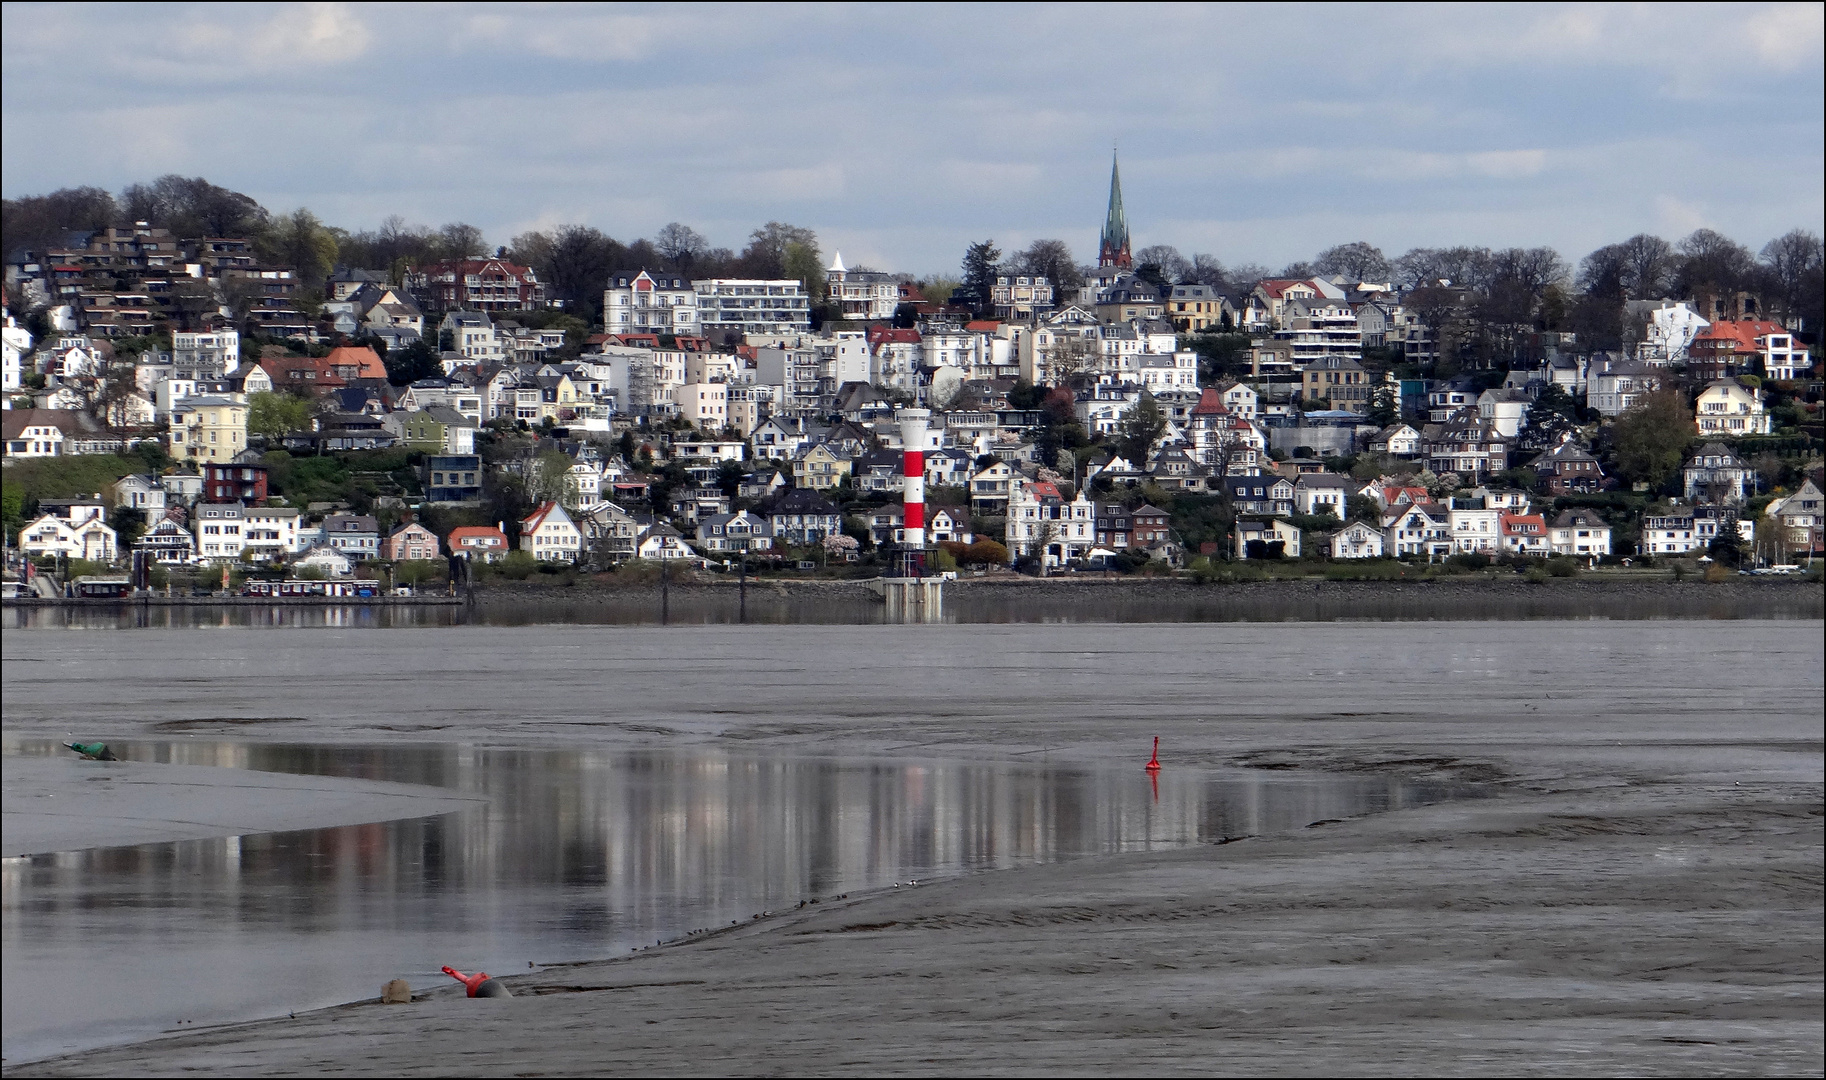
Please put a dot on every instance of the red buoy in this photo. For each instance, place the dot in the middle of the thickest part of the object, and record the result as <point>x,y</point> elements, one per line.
<point>1154,762</point>
<point>470,982</point>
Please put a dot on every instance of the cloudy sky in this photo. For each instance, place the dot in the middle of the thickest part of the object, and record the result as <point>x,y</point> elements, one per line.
<point>1256,133</point>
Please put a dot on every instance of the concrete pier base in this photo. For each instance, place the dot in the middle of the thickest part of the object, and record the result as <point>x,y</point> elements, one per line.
<point>912,599</point>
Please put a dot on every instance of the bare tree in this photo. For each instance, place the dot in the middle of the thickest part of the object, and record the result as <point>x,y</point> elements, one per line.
<point>1359,261</point>
<point>459,240</point>
<point>1051,259</point>
<point>1206,270</point>
<point>680,245</point>
<point>1647,261</point>
<point>1713,265</point>
<point>1174,267</point>
<point>1797,276</point>
<point>1069,356</point>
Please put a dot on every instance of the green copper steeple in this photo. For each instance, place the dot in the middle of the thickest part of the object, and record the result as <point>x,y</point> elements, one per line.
<point>1114,247</point>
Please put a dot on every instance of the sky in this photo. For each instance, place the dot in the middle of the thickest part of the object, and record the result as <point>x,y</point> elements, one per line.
<point>1256,133</point>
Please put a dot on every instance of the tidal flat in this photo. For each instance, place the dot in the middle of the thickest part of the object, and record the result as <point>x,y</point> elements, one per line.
<point>1641,892</point>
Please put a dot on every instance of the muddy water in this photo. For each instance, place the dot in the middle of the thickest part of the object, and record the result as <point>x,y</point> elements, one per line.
<point>579,854</point>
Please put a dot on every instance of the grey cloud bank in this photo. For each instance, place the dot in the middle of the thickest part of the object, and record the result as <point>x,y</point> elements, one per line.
<point>900,134</point>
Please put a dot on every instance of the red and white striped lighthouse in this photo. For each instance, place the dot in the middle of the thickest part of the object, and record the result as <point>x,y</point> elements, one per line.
<point>913,484</point>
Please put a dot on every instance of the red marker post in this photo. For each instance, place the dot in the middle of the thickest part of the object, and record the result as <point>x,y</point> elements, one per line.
<point>1153,765</point>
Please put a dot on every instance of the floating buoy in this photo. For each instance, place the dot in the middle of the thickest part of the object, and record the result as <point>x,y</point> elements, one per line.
<point>1154,762</point>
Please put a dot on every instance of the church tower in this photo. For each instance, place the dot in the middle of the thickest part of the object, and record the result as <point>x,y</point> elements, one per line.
<point>1114,248</point>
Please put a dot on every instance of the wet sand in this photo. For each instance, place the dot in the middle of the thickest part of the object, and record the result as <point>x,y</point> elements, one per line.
<point>66,804</point>
<point>1644,896</point>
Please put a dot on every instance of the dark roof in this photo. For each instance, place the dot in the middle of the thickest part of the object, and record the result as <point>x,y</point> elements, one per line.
<point>798,501</point>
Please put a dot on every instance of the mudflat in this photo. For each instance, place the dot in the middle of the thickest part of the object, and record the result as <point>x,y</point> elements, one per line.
<point>59,804</point>
<point>1641,894</point>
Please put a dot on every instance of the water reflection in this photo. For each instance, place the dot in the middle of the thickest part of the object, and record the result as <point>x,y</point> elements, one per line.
<point>1184,602</point>
<point>583,853</point>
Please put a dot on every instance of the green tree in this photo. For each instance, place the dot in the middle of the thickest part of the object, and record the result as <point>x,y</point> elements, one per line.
<point>299,240</point>
<point>1140,426</point>
<point>1650,439</point>
<point>412,363</point>
<point>276,414</point>
<point>1385,404</point>
<point>980,262</point>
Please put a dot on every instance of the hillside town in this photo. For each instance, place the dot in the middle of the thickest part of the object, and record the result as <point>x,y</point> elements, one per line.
<point>193,403</point>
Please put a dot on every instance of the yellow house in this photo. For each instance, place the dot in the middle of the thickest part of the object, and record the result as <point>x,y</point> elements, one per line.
<point>209,428</point>
<point>820,468</point>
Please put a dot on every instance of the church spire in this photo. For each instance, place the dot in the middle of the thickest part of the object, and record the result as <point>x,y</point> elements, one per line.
<point>1114,248</point>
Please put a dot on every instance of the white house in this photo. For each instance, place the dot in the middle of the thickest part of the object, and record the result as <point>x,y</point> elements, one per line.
<point>1323,493</point>
<point>1272,531</point>
<point>1398,440</point>
<point>270,532</point>
<point>1421,530</point>
<point>1581,534</point>
<point>1617,387</point>
<point>1729,408</point>
<point>76,530</point>
<point>331,562</point>
<point>220,531</point>
<point>1506,410</point>
<point>1356,541</point>
<point>1476,527</point>
<point>1670,330</point>
<point>550,535</point>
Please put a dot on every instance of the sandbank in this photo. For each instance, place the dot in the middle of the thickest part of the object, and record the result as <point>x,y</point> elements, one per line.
<point>66,804</point>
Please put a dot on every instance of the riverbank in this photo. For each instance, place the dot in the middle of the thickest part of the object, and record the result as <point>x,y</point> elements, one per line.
<point>1643,895</point>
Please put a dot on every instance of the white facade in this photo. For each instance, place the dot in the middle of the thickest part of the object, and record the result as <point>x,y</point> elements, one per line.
<point>1356,541</point>
<point>220,531</point>
<point>270,532</point>
<point>706,405</point>
<point>206,356</point>
<point>1617,388</point>
<point>15,343</point>
<point>85,534</point>
<point>1671,328</point>
<point>550,535</point>
<point>1783,357</point>
<point>1729,408</point>
<point>862,294</point>
<point>753,306</point>
<point>644,302</point>
<point>1476,530</point>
